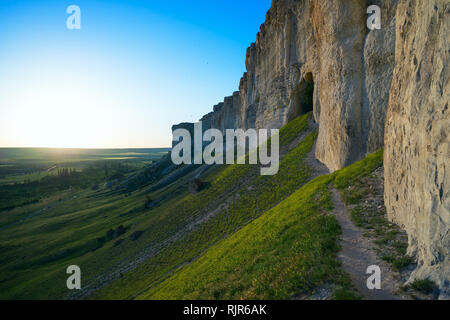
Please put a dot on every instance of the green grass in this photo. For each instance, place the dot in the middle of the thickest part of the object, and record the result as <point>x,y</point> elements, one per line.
<point>354,187</point>
<point>402,262</point>
<point>399,262</point>
<point>286,252</point>
<point>289,251</point>
<point>36,252</point>
<point>251,196</point>
<point>289,132</point>
<point>30,175</point>
<point>423,285</point>
<point>352,175</point>
<point>245,236</point>
<point>346,294</point>
<point>39,240</point>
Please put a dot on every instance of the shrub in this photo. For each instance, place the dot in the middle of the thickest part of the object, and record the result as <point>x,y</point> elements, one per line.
<point>195,186</point>
<point>425,286</point>
<point>110,234</point>
<point>148,203</point>
<point>120,230</point>
<point>118,242</point>
<point>136,235</point>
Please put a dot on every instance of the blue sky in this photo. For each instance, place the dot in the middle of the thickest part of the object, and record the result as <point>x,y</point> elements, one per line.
<point>134,69</point>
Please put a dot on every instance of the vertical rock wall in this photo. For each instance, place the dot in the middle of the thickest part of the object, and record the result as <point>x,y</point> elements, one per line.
<point>326,43</point>
<point>339,31</point>
<point>417,135</point>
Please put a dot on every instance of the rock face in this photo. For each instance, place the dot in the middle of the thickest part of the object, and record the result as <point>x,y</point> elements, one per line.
<point>316,55</point>
<point>355,68</point>
<point>417,136</point>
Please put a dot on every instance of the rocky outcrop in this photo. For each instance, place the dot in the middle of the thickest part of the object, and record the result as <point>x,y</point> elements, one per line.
<point>417,136</point>
<point>353,80</point>
<point>339,30</point>
<point>315,55</point>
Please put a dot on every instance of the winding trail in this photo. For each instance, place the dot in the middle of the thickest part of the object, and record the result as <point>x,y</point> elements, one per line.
<point>358,253</point>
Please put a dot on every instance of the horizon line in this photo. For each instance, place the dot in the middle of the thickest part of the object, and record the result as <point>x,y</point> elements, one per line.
<point>87,148</point>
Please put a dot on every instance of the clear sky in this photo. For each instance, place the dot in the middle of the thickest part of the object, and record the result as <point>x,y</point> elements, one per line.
<point>133,70</point>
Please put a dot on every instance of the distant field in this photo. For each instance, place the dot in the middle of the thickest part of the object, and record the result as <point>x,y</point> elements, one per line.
<point>19,164</point>
<point>29,174</point>
<point>45,155</point>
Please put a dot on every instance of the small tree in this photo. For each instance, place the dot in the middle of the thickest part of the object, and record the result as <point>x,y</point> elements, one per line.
<point>148,203</point>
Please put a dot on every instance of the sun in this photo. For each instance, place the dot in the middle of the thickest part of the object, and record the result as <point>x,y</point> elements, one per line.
<point>62,115</point>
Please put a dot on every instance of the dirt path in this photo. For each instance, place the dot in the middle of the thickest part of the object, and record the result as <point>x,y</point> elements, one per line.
<point>358,253</point>
<point>317,168</point>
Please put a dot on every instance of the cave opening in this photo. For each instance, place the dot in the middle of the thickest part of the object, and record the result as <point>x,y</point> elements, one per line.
<point>302,97</point>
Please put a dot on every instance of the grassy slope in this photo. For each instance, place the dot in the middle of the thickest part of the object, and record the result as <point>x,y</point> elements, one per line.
<point>35,253</point>
<point>267,248</point>
<point>248,195</point>
<point>290,250</point>
<point>287,251</point>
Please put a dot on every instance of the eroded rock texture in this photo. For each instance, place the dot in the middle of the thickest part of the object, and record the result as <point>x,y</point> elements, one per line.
<point>417,135</point>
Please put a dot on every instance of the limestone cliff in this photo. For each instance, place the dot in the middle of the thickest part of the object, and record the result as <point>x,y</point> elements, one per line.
<point>318,53</point>
<point>417,139</point>
<point>315,55</point>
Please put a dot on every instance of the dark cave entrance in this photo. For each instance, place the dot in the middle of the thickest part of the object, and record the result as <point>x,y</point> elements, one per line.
<point>302,97</point>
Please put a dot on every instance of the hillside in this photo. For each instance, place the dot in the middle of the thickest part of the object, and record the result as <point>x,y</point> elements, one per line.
<point>176,228</point>
<point>236,195</point>
<point>243,236</point>
<point>288,252</point>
